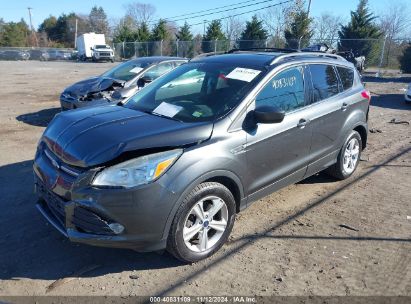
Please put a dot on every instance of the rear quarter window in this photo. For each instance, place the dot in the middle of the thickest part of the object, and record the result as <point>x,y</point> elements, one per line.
<point>346,77</point>
<point>324,80</point>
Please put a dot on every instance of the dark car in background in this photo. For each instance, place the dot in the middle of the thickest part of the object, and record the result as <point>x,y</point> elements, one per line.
<point>171,166</point>
<point>39,54</point>
<point>14,55</point>
<point>118,83</point>
<point>59,55</point>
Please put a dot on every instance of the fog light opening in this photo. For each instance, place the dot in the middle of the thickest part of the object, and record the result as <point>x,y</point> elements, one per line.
<point>116,228</point>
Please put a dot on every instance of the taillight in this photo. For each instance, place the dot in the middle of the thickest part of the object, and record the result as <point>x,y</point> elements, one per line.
<point>366,94</point>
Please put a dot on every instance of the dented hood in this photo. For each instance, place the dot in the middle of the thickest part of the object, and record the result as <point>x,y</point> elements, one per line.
<point>93,136</point>
<point>92,85</point>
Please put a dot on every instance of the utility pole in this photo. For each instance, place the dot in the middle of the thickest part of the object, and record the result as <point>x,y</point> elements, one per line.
<point>33,34</point>
<point>309,8</point>
<point>204,23</point>
<point>75,35</point>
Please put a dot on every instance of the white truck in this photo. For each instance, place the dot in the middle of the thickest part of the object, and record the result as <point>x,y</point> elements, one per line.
<point>93,46</point>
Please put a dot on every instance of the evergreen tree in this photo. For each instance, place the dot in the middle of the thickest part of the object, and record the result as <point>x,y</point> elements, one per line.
<point>125,31</point>
<point>361,26</point>
<point>143,33</point>
<point>14,34</point>
<point>214,39</point>
<point>184,33</point>
<point>405,60</point>
<point>298,32</point>
<point>98,20</point>
<point>254,35</point>
<point>185,47</point>
<point>160,31</point>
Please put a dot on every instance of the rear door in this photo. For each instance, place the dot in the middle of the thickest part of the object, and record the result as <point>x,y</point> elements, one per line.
<point>330,105</point>
<point>277,154</point>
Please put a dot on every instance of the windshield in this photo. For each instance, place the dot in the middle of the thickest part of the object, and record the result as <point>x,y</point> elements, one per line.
<point>127,70</point>
<point>102,46</point>
<point>196,91</point>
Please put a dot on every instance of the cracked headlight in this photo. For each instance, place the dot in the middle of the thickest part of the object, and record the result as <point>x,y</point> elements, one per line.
<point>138,171</point>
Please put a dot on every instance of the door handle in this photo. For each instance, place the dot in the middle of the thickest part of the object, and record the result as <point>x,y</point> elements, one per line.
<point>302,123</point>
<point>344,106</point>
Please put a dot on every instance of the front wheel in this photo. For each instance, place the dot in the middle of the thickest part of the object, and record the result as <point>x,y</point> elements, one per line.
<point>348,158</point>
<point>202,223</point>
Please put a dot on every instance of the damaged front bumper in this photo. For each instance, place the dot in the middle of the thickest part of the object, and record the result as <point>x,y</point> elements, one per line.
<point>123,218</point>
<point>72,103</point>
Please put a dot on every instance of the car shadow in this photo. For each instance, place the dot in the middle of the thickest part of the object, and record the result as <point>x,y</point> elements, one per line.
<point>40,118</point>
<point>368,78</point>
<point>390,101</point>
<point>32,248</point>
<point>319,178</point>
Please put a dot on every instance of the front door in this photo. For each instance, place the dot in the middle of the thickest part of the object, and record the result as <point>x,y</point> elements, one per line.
<point>278,153</point>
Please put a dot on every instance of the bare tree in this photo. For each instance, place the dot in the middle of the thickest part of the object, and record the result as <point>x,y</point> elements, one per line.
<point>233,26</point>
<point>276,20</point>
<point>326,28</point>
<point>394,23</point>
<point>140,12</point>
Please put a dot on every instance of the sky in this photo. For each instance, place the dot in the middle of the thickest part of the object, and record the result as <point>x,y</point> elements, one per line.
<point>15,10</point>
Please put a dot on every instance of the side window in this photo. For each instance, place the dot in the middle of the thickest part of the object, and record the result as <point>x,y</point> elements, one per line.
<point>285,90</point>
<point>346,77</point>
<point>159,70</point>
<point>325,82</point>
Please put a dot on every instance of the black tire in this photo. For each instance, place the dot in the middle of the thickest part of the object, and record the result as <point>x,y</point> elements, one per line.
<point>337,170</point>
<point>175,242</point>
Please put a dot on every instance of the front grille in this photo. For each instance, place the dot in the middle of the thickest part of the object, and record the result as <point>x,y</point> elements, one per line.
<point>54,203</point>
<point>104,53</point>
<point>88,221</point>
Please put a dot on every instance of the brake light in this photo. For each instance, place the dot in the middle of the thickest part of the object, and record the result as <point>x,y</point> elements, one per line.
<point>366,94</point>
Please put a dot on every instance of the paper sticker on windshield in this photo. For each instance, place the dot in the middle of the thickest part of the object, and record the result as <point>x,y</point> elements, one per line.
<point>167,109</point>
<point>243,74</point>
<point>136,70</point>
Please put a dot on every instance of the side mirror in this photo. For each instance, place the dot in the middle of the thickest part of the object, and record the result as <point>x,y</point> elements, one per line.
<point>143,81</point>
<point>91,48</point>
<point>268,114</point>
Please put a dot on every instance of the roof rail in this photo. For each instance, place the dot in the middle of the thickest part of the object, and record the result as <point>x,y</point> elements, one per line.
<point>208,54</point>
<point>306,54</point>
<point>262,49</point>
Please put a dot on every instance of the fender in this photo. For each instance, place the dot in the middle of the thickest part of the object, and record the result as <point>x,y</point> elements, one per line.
<point>356,118</point>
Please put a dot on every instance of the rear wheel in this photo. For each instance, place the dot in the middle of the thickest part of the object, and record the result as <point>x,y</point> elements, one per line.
<point>348,158</point>
<point>203,222</point>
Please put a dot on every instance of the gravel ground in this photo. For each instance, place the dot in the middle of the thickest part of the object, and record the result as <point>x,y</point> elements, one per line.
<point>289,243</point>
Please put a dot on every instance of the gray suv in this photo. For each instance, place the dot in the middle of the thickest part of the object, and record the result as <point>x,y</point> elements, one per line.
<point>171,166</point>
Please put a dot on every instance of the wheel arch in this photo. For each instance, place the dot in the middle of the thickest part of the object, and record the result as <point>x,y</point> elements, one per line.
<point>363,133</point>
<point>224,177</point>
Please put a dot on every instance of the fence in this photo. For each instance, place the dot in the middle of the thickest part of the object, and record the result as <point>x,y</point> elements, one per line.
<point>383,53</point>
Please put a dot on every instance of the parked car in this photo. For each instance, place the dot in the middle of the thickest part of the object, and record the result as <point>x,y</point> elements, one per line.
<point>39,54</point>
<point>357,60</point>
<point>14,55</point>
<point>59,55</point>
<point>172,165</point>
<point>408,94</point>
<point>322,47</point>
<point>117,83</point>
